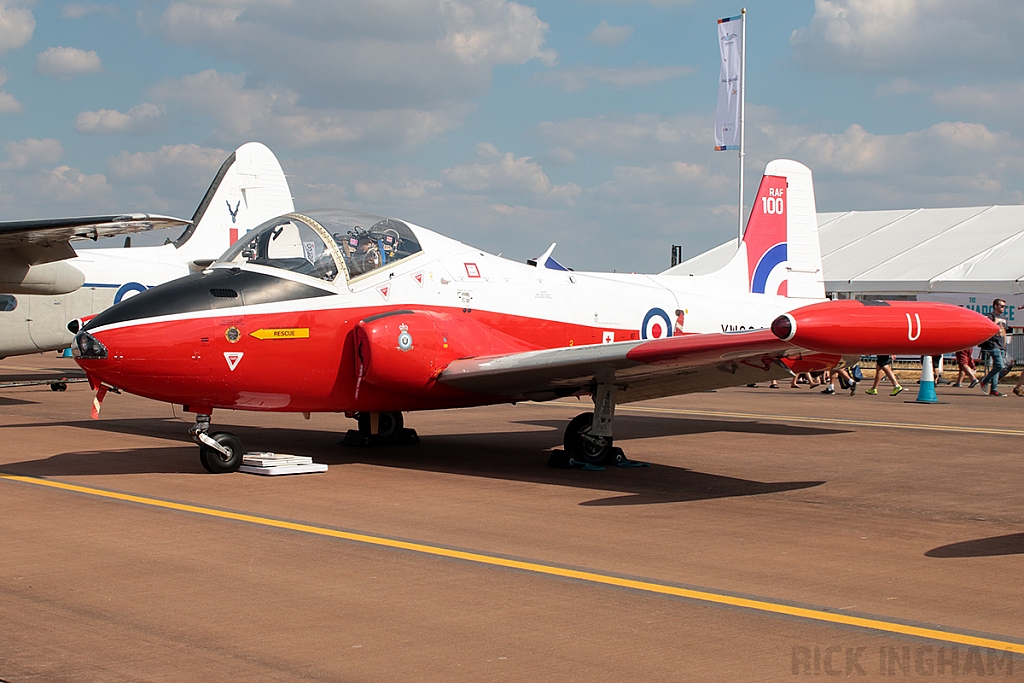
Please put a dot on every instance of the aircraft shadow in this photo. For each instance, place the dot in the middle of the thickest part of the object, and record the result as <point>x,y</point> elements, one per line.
<point>1010,544</point>
<point>7,401</point>
<point>514,456</point>
<point>168,460</point>
<point>160,427</point>
<point>645,426</point>
<point>40,375</point>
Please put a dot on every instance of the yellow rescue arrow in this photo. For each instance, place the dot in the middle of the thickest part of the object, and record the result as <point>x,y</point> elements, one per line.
<point>281,333</point>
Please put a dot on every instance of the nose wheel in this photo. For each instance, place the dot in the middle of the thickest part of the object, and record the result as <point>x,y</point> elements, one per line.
<point>219,452</point>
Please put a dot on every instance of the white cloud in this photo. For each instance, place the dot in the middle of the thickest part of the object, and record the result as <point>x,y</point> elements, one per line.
<point>141,118</point>
<point>610,36</point>
<point>668,182</point>
<point>643,137</point>
<point>947,164</point>
<point>407,189</point>
<point>495,32</point>
<point>66,185</point>
<point>33,185</point>
<point>921,36</point>
<point>314,73</point>
<point>362,54</point>
<point>948,148</point>
<point>9,104</point>
<point>1000,102</point>
<point>189,165</point>
<point>67,62</point>
<point>274,115</point>
<point>16,25</point>
<point>560,156</point>
<point>496,174</point>
<point>578,78</point>
<point>31,154</point>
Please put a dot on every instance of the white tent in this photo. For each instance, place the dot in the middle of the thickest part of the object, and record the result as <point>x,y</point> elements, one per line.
<point>976,250</point>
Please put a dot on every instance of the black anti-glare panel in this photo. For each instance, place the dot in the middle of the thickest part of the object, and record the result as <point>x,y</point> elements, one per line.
<point>196,293</point>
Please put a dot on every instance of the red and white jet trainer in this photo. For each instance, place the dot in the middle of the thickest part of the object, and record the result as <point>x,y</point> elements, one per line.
<point>369,316</point>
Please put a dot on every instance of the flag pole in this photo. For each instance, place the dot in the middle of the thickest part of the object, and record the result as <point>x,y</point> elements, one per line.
<point>743,88</point>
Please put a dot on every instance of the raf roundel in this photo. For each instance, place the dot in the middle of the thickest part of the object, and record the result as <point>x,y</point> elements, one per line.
<point>656,325</point>
<point>128,290</point>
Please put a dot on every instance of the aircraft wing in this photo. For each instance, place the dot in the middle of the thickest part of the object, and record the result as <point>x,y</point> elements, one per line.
<point>47,231</point>
<point>817,336</point>
<point>643,369</point>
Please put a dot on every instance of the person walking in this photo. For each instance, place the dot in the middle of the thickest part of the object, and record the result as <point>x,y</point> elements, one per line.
<point>994,349</point>
<point>965,367</point>
<point>883,367</point>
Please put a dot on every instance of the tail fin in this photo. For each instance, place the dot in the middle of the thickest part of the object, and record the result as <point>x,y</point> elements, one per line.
<point>780,243</point>
<point>249,188</point>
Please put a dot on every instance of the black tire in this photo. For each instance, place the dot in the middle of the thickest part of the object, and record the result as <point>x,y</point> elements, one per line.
<point>389,426</point>
<point>216,462</point>
<point>578,446</point>
<point>203,461</point>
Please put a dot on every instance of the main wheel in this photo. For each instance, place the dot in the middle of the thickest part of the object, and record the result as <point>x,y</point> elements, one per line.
<point>580,445</point>
<point>388,426</point>
<point>216,462</point>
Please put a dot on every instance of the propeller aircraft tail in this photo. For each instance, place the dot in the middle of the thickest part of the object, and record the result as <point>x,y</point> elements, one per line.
<point>249,188</point>
<point>780,254</point>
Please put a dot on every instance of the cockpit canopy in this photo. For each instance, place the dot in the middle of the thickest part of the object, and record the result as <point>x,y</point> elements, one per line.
<point>324,244</point>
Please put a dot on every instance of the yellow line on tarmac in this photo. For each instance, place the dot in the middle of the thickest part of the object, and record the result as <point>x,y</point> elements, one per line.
<point>810,420</point>
<point>817,615</point>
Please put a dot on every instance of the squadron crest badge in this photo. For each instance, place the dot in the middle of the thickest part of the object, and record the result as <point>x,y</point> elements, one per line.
<point>404,338</point>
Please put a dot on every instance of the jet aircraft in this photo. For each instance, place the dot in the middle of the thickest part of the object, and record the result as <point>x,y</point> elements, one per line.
<point>347,312</point>
<point>44,284</point>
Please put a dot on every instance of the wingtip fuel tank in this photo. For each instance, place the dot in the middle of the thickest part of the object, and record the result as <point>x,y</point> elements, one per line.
<point>911,328</point>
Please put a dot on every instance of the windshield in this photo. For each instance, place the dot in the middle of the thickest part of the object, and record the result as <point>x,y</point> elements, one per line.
<point>368,242</point>
<point>288,242</point>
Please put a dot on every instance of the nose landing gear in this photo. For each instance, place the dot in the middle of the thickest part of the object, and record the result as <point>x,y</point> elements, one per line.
<point>219,452</point>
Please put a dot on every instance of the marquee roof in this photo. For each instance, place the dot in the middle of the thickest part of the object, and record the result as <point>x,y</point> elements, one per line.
<point>976,249</point>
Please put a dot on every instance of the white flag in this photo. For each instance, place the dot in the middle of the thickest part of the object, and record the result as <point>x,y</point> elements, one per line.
<point>727,119</point>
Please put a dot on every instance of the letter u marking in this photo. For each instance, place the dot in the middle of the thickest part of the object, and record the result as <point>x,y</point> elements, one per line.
<point>910,327</point>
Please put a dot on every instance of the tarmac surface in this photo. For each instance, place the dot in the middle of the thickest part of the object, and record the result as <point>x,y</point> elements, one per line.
<point>777,535</point>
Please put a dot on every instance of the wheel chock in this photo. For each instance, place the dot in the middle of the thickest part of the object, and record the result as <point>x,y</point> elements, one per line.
<point>621,460</point>
<point>563,461</point>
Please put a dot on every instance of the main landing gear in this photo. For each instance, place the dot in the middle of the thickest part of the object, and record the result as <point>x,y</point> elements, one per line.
<point>378,429</point>
<point>219,452</point>
<point>588,438</point>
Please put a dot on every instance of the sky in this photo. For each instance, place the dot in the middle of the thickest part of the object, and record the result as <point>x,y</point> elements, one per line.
<point>510,125</point>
